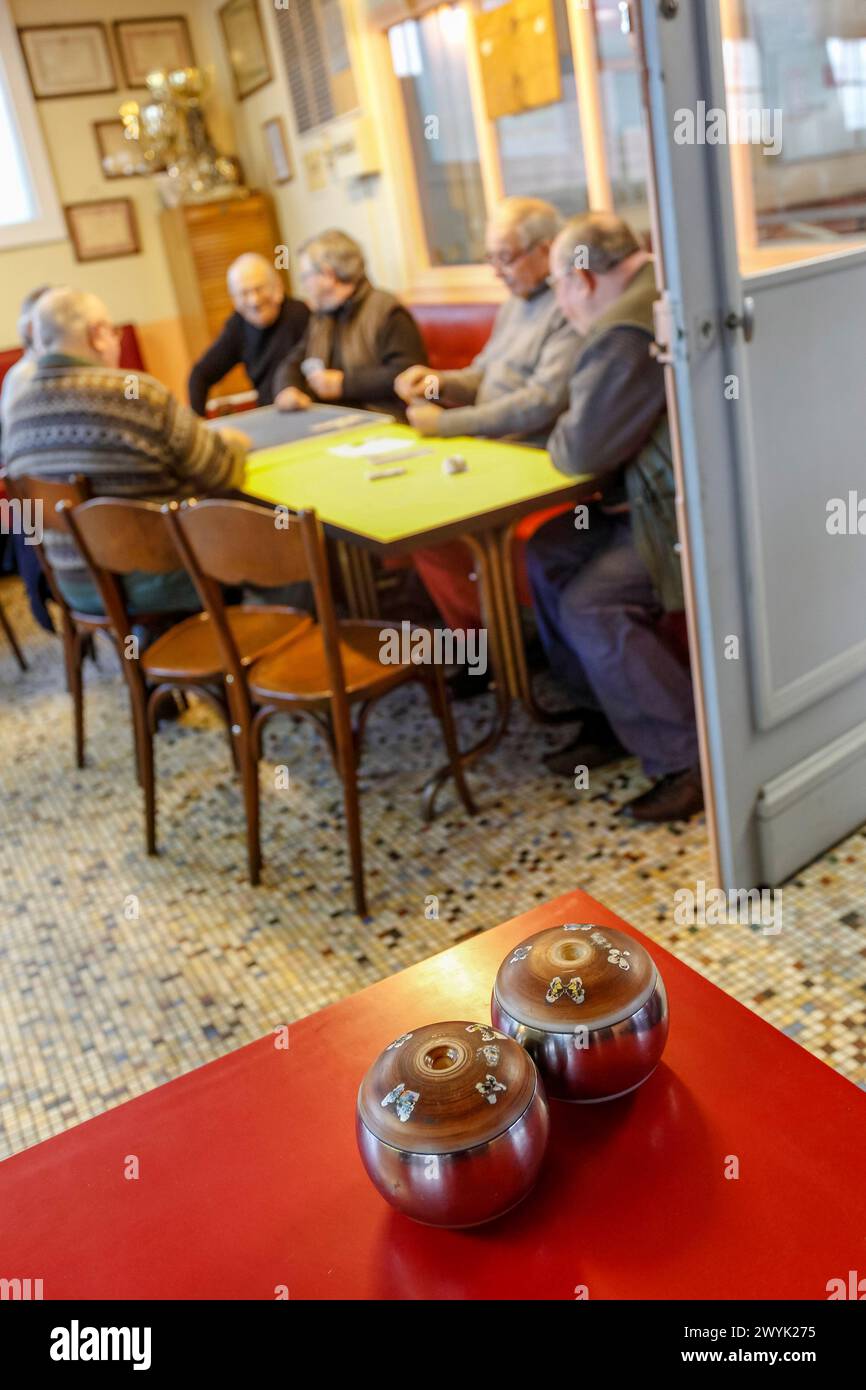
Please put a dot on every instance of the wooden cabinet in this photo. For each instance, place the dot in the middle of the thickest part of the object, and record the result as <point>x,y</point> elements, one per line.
<point>201,241</point>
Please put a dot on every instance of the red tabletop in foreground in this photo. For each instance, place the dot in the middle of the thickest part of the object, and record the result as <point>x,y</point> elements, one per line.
<point>250,1178</point>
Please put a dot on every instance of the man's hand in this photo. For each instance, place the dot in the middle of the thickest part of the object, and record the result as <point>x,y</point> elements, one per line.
<point>327,384</point>
<point>234,436</point>
<point>291,398</point>
<point>410,385</point>
<point>424,418</point>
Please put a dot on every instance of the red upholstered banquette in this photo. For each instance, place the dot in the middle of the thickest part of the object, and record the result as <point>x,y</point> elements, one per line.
<point>130,352</point>
<point>454,333</point>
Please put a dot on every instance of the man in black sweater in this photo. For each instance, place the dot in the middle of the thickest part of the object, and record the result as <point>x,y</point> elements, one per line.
<point>261,333</point>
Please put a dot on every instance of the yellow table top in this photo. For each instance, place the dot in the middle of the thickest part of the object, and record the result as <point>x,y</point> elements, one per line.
<point>308,474</point>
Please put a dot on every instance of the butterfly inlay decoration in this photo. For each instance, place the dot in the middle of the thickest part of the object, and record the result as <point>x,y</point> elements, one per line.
<point>488,1088</point>
<point>520,953</point>
<point>487,1034</point>
<point>490,1053</point>
<point>403,1101</point>
<point>398,1042</point>
<point>618,957</point>
<point>574,989</point>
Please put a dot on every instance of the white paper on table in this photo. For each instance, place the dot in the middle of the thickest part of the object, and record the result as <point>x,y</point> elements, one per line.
<point>369,448</point>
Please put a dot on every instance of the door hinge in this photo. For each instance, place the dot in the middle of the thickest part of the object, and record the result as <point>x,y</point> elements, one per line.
<point>669,334</point>
<point>625,20</point>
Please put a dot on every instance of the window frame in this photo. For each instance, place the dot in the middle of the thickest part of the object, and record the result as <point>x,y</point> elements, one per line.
<point>473,281</point>
<point>49,224</point>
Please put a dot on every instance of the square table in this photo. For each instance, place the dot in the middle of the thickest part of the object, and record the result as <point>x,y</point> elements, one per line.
<point>393,516</point>
<point>249,1175</point>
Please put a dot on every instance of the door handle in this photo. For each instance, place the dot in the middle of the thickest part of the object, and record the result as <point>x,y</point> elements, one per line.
<point>745,320</point>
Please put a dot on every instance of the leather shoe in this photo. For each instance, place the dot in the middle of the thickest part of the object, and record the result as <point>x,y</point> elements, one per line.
<point>679,796</point>
<point>595,746</point>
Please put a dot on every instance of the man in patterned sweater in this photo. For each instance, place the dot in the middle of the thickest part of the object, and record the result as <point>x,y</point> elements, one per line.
<point>123,430</point>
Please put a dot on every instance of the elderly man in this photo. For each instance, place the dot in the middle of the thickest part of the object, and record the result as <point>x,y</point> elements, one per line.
<point>515,388</point>
<point>21,371</point>
<point>82,413</point>
<point>358,340</point>
<point>600,590</point>
<point>265,327</point>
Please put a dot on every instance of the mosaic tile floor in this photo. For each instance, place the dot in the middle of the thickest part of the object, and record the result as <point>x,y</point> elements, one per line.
<point>118,972</point>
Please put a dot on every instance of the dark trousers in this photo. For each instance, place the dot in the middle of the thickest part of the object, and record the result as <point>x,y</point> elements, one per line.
<point>598,615</point>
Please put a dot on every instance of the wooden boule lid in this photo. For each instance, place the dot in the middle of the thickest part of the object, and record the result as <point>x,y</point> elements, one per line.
<point>446,1087</point>
<point>578,973</point>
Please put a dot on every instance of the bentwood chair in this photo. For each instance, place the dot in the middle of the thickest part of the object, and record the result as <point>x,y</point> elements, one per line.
<point>324,672</point>
<point>8,629</point>
<point>117,537</point>
<point>76,629</point>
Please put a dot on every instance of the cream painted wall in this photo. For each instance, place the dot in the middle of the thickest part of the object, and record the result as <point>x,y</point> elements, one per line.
<point>367,208</point>
<point>136,288</point>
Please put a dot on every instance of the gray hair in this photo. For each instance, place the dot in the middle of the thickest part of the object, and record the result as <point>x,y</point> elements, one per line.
<point>25,313</point>
<point>531,219</point>
<point>64,316</point>
<point>602,238</point>
<point>336,251</point>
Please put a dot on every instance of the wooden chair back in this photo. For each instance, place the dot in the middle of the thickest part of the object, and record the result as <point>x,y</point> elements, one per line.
<point>48,495</point>
<point>115,538</point>
<point>228,542</point>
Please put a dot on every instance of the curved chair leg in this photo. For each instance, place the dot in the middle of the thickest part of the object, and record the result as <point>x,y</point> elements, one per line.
<point>442,709</point>
<point>144,748</point>
<point>76,690</point>
<point>249,768</point>
<point>348,765</point>
<point>12,639</point>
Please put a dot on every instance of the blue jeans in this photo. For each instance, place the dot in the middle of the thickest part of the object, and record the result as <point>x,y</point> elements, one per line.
<point>597,614</point>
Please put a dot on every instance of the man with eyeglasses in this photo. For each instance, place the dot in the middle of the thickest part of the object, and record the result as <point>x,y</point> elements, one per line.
<point>602,582</point>
<point>515,388</point>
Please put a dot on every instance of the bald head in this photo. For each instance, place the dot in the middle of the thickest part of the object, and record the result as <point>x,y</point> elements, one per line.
<point>77,324</point>
<point>256,288</point>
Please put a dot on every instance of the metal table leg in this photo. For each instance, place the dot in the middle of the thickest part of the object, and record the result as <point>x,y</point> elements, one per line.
<point>488,557</point>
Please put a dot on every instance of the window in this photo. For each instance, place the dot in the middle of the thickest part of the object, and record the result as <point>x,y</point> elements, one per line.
<point>540,150</point>
<point>429,59</point>
<point>490,94</point>
<point>795,75</point>
<point>622,114</point>
<point>29,211</point>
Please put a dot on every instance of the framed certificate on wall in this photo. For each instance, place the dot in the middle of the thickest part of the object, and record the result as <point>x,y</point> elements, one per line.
<point>101,229</point>
<point>161,44</point>
<point>67,60</point>
<point>245,46</point>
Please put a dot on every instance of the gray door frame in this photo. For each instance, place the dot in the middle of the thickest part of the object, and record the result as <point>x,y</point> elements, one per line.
<point>784,769</point>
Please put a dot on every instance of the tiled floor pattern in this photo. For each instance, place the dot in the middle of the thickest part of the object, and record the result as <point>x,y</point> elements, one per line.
<point>118,972</point>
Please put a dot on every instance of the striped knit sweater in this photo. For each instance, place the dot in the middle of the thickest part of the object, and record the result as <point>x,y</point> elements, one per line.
<point>123,430</point>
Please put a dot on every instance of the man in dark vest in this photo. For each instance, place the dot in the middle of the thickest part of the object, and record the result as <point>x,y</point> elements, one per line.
<point>263,330</point>
<point>603,577</point>
<point>358,339</point>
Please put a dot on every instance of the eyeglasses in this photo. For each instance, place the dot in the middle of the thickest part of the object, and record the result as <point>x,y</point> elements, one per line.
<point>504,260</point>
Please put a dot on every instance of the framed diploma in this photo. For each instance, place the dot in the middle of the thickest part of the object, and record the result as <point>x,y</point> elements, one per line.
<point>245,46</point>
<point>161,44</point>
<point>67,60</point>
<point>102,229</point>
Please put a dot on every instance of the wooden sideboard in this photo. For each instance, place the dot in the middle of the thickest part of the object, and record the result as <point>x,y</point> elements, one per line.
<point>201,241</point>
